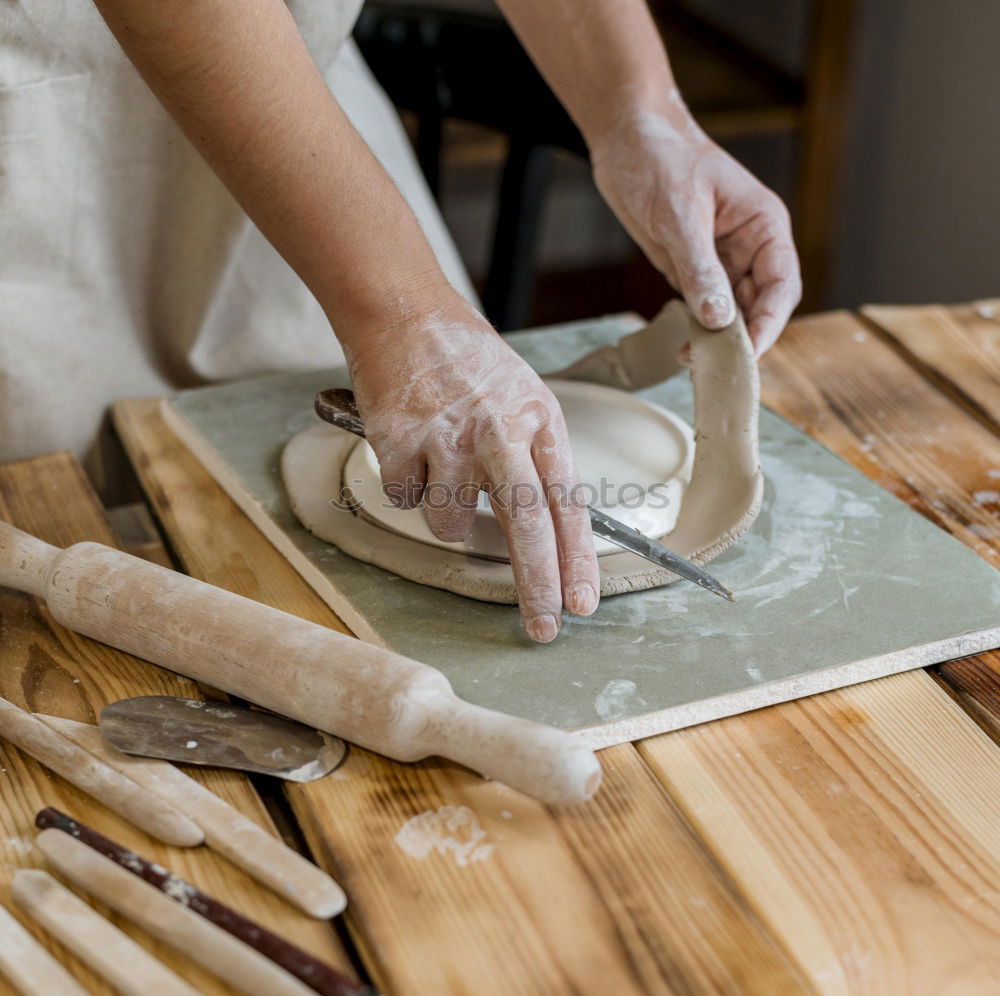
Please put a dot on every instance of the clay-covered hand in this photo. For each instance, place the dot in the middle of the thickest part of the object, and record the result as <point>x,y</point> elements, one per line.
<point>703,220</point>
<point>449,406</point>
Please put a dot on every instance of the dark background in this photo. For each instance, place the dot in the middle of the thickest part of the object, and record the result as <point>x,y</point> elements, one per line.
<point>876,120</point>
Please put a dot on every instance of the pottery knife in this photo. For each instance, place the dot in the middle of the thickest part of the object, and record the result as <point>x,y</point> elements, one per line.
<point>338,406</point>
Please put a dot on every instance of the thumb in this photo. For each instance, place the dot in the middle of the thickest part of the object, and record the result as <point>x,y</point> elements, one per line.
<point>704,282</point>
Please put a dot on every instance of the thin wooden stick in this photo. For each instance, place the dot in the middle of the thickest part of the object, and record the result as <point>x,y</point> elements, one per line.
<point>266,857</point>
<point>137,804</point>
<point>97,942</point>
<point>314,973</point>
<point>29,967</point>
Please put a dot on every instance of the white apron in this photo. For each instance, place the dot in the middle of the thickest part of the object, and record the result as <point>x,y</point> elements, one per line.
<point>126,268</point>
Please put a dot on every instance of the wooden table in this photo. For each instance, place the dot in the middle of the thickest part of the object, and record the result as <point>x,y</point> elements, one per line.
<point>846,843</point>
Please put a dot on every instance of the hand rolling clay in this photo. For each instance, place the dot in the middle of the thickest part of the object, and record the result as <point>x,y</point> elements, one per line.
<point>365,694</point>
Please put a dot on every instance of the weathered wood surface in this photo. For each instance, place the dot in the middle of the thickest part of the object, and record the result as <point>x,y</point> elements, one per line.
<point>512,910</point>
<point>841,382</point>
<point>864,825</point>
<point>46,668</point>
<point>840,824</point>
<point>959,347</point>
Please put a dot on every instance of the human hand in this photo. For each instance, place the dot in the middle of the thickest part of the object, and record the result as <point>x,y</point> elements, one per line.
<point>703,220</point>
<point>448,404</point>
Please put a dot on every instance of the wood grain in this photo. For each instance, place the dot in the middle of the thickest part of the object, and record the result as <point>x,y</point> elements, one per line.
<point>49,669</point>
<point>516,898</point>
<point>864,824</point>
<point>958,346</point>
<point>975,682</point>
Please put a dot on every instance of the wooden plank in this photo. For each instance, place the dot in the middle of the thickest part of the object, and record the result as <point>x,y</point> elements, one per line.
<point>975,682</point>
<point>960,346</point>
<point>544,901</point>
<point>49,669</point>
<point>863,823</point>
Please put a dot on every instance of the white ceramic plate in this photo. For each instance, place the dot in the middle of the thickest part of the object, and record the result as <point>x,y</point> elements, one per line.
<point>634,459</point>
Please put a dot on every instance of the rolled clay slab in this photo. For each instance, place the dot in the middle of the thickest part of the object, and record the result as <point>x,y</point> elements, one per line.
<point>719,504</point>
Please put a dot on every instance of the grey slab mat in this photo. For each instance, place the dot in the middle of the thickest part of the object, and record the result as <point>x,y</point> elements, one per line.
<point>838,581</point>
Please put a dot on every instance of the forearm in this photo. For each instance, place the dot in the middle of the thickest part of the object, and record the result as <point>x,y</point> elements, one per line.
<point>603,59</point>
<point>238,79</point>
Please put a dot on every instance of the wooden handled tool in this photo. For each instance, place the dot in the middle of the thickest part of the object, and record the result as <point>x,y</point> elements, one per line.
<point>97,942</point>
<point>365,694</point>
<point>118,792</point>
<point>29,967</point>
<point>266,857</point>
<point>294,960</point>
<point>169,920</point>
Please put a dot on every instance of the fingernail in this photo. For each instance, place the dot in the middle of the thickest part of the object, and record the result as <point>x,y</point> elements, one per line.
<point>581,599</point>
<point>717,311</point>
<point>542,629</point>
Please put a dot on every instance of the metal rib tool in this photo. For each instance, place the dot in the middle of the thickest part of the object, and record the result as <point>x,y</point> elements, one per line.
<point>338,406</point>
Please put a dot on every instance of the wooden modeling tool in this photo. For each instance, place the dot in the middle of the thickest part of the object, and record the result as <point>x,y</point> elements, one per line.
<point>319,976</point>
<point>365,694</point>
<point>236,963</point>
<point>29,967</point>
<point>111,953</point>
<point>118,792</point>
<point>220,735</point>
<point>339,407</point>
<point>260,854</point>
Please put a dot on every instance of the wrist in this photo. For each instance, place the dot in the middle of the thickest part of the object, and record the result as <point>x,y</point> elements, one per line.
<point>407,321</point>
<point>642,119</point>
<point>363,311</point>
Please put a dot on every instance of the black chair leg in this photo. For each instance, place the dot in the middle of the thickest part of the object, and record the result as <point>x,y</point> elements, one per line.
<point>429,149</point>
<point>510,283</point>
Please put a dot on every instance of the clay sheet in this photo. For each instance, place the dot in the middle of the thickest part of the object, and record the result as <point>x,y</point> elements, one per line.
<point>837,582</point>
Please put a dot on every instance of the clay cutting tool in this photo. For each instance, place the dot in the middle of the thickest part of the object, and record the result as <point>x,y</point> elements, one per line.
<point>339,407</point>
<point>220,735</point>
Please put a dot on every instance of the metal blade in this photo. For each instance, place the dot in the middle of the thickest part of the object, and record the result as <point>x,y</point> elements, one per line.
<point>632,540</point>
<point>220,735</point>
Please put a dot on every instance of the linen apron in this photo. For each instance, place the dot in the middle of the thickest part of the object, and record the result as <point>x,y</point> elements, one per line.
<point>126,268</point>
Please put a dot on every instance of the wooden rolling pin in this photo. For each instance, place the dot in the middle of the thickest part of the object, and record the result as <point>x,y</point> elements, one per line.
<point>365,694</point>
